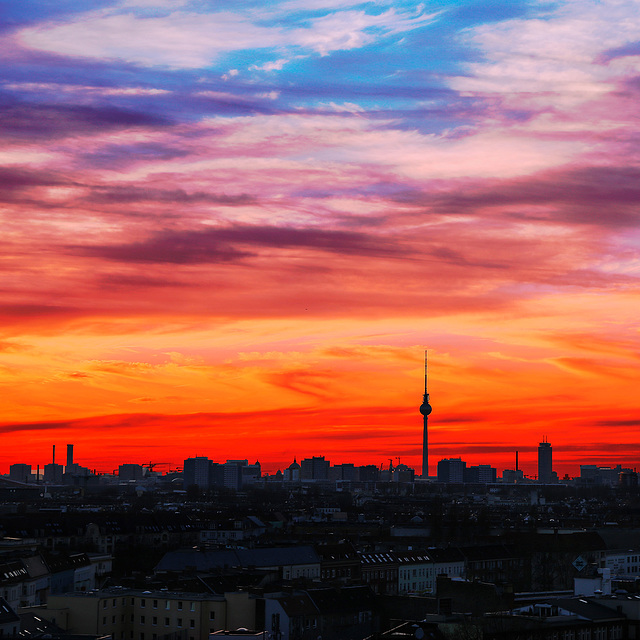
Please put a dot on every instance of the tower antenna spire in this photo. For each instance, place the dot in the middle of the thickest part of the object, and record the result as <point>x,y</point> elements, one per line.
<point>425,373</point>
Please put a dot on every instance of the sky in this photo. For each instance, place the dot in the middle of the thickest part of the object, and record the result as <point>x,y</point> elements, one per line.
<point>232,229</point>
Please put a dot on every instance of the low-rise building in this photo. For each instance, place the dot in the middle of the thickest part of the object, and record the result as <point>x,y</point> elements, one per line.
<point>131,614</point>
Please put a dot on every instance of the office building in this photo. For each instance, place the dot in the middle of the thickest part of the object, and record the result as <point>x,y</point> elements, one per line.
<point>451,470</point>
<point>545,462</point>
<point>20,472</point>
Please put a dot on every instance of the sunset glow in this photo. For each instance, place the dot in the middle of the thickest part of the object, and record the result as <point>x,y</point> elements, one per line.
<point>231,229</point>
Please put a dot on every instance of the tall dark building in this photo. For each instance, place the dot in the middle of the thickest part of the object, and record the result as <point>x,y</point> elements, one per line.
<point>425,410</point>
<point>545,462</point>
<point>316,468</point>
<point>197,471</point>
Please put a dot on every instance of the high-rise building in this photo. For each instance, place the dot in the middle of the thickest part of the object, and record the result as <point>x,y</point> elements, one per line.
<point>69,455</point>
<point>480,474</point>
<point>545,462</point>
<point>53,473</point>
<point>197,472</point>
<point>425,410</point>
<point>232,473</point>
<point>451,470</point>
<point>130,472</point>
<point>20,472</point>
<point>316,468</point>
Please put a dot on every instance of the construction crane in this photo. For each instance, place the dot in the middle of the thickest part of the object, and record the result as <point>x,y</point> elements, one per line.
<point>151,465</point>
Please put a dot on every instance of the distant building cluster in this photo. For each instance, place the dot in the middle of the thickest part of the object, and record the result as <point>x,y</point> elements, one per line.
<point>202,473</point>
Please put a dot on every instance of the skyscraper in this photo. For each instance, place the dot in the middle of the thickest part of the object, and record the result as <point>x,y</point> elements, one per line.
<point>425,410</point>
<point>197,471</point>
<point>545,462</point>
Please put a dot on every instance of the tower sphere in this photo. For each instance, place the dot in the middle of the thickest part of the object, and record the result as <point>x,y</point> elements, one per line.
<point>425,409</point>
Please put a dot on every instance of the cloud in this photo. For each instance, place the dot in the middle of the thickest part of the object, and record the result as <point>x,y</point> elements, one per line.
<point>85,90</point>
<point>120,194</point>
<point>574,195</point>
<point>46,121</point>
<point>273,65</point>
<point>549,62</point>
<point>623,51</point>
<point>218,244</point>
<point>18,179</point>
<point>194,40</point>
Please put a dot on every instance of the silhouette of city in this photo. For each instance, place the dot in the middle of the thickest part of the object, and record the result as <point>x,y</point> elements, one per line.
<point>319,550</point>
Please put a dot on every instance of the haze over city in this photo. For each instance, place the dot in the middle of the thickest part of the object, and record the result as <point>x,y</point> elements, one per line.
<point>231,229</point>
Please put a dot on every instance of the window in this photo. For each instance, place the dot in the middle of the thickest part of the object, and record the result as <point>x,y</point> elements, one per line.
<point>179,622</point>
<point>104,604</point>
<point>179,605</point>
<point>167,604</point>
<point>104,620</point>
<point>166,622</point>
<point>155,604</point>
<point>143,602</point>
<point>155,620</point>
<point>192,624</point>
<point>212,615</point>
<point>113,604</point>
<point>192,606</point>
<point>142,635</point>
<point>142,620</point>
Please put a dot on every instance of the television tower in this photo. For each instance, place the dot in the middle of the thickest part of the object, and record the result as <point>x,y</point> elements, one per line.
<point>425,410</point>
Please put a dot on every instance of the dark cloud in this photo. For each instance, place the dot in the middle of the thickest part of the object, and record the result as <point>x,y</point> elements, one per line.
<point>219,245</point>
<point>618,423</point>
<point>46,121</point>
<point>629,49</point>
<point>123,154</point>
<point>33,426</point>
<point>14,311</point>
<point>125,281</point>
<point>128,194</point>
<point>13,180</point>
<point>603,196</point>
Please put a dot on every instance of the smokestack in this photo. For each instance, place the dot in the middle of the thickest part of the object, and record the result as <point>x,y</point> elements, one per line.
<point>54,454</point>
<point>69,455</point>
<point>516,460</point>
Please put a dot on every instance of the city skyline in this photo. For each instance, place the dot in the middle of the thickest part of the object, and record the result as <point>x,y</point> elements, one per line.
<point>237,228</point>
<point>485,472</point>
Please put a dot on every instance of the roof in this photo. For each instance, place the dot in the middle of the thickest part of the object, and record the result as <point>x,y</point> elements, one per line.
<point>203,561</point>
<point>489,552</point>
<point>344,600</point>
<point>7,614</point>
<point>35,566</point>
<point>298,604</point>
<point>377,558</point>
<point>333,552</point>
<point>588,609</point>
<point>450,554</point>
<point>12,572</point>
